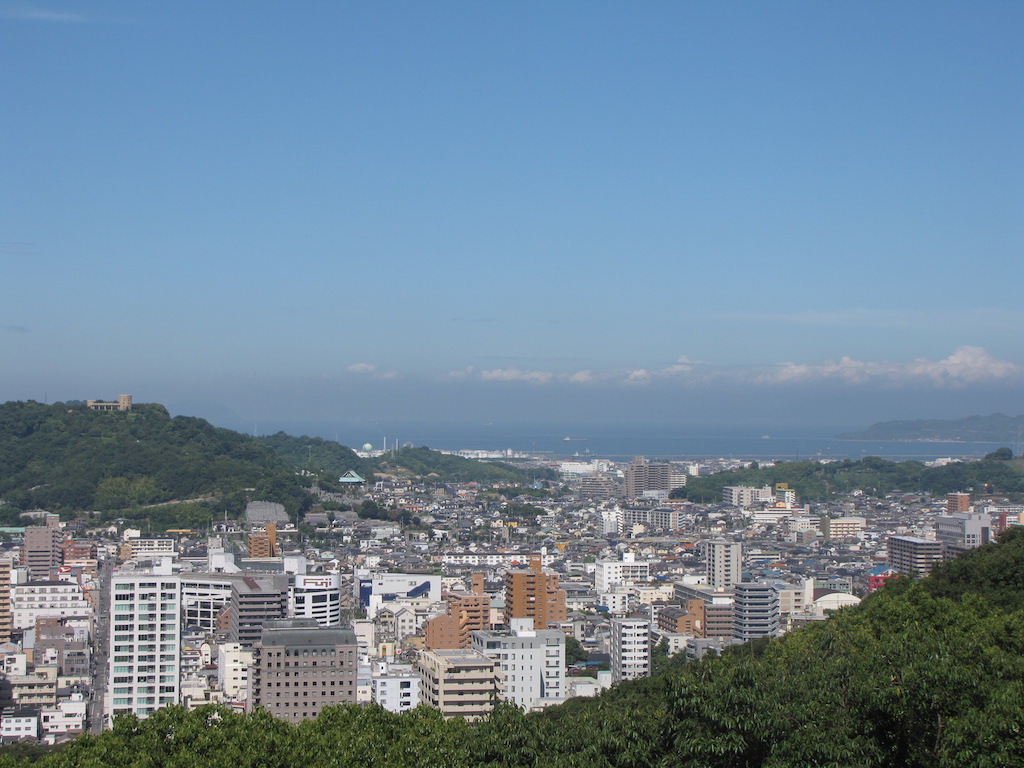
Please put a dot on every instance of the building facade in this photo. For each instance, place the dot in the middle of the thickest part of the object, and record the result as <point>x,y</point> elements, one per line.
<point>300,667</point>
<point>460,683</point>
<point>630,649</point>
<point>144,654</point>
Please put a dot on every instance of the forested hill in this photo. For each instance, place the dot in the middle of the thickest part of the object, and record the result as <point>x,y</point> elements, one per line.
<point>923,674</point>
<point>65,457</point>
<point>998,474</point>
<point>996,428</point>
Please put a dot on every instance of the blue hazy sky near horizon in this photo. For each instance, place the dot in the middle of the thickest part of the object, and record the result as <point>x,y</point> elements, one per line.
<point>339,212</point>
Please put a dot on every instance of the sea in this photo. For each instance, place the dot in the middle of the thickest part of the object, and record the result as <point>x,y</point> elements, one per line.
<point>622,442</point>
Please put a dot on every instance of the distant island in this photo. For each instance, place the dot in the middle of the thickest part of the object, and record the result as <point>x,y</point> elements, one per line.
<point>997,428</point>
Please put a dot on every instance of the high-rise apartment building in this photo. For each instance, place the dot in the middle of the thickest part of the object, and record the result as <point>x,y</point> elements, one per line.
<point>724,563</point>
<point>755,610</point>
<point>534,594</point>
<point>913,556</point>
<point>263,543</point>
<point>630,649</point>
<point>300,667</point>
<point>641,475</point>
<point>718,610</point>
<point>958,502</point>
<point>42,548</point>
<point>532,663</point>
<point>454,629</point>
<point>6,615</point>
<point>144,653</point>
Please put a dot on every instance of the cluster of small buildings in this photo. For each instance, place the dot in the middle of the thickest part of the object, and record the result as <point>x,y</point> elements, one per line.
<point>533,600</point>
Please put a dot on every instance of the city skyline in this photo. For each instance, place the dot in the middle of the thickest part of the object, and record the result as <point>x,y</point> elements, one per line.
<point>668,212</point>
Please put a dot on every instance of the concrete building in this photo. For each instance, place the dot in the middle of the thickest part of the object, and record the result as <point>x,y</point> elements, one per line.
<point>396,687</point>
<point>466,613</point>
<point>744,496</point>
<point>913,556</point>
<point>960,531</point>
<point>59,642</point>
<point>6,615</point>
<point>958,502</point>
<point>642,476</point>
<point>534,594</point>
<point>724,563</point>
<point>375,591</point>
<point>41,549</point>
<point>460,683</point>
<point>610,573</point>
<point>233,664</point>
<point>263,543</point>
<point>150,548</point>
<point>317,596</point>
<point>300,667</point>
<point>718,610</point>
<point>630,648</point>
<point>47,599</point>
<point>755,610</point>
<point>255,600</point>
<point>532,663</point>
<point>688,621</point>
<point>144,653</point>
<point>842,527</point>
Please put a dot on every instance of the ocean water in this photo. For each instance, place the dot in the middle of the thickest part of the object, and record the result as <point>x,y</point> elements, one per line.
<point>622,442</point>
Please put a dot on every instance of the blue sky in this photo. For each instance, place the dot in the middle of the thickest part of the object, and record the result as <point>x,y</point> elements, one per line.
<point>584,211</point>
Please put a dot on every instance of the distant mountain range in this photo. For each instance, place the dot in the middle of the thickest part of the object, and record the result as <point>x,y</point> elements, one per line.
<point>997,428</point>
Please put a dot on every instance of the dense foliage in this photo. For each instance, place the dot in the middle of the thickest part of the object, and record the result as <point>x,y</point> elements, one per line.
<point>816,481</point>
<point>325,458</point>
<point>68,458</point>
<point>924,674</point>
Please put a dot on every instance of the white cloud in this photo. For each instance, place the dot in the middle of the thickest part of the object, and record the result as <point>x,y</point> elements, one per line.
<point>517,374</point>
<point>967,365</point>
<point>638,376</point>
<point>462,373</point>
<point>581,377</point>
<point>369,369</point>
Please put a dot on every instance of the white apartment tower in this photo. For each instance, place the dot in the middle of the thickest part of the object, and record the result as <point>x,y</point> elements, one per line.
<point>144,657</point>
<point>630,649</point>
<point>724,563</point>
<point>532,662</point>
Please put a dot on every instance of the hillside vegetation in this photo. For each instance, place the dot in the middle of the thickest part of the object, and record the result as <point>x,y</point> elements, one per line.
<point>997,474</point>
<point>151,469</point>
<point>67,458</point>
<point>923,674</point>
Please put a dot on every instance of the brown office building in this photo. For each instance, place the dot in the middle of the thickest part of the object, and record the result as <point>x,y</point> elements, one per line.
<point>42,548</point>
<point>300,667</point>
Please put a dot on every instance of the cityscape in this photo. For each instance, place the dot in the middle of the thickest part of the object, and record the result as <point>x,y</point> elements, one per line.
<point>464,595</point>
<point>499,385</point>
